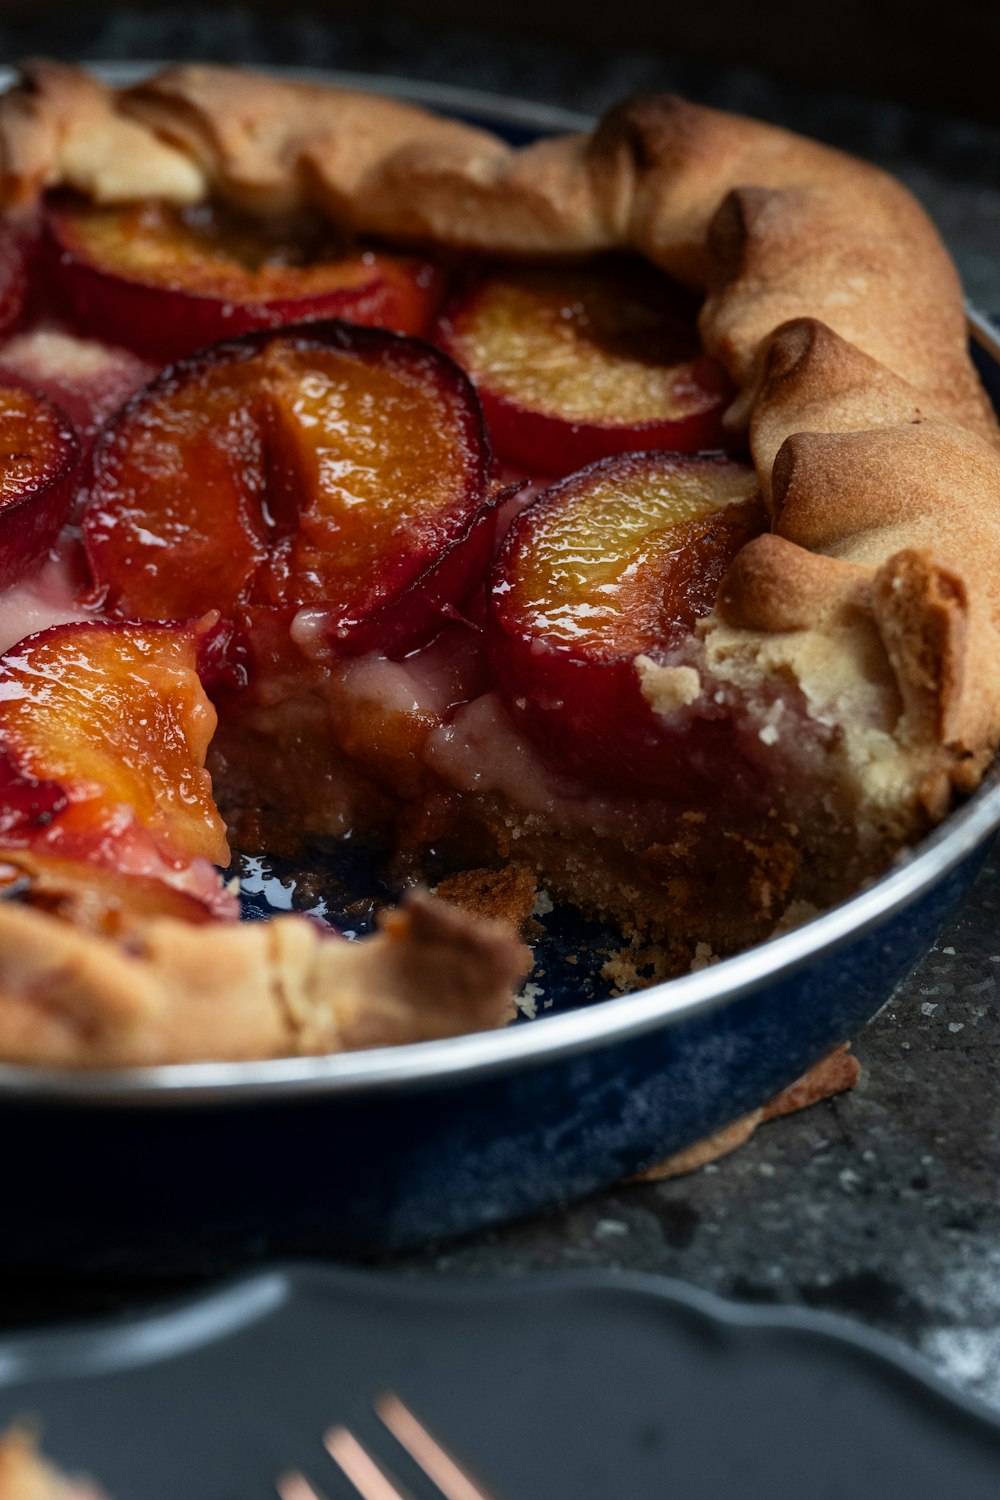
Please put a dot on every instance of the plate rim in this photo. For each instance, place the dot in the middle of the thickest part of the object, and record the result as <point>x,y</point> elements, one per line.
<point>78,1349</point>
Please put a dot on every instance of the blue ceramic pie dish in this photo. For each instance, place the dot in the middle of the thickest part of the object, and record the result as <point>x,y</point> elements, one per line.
<point>383,1149</point>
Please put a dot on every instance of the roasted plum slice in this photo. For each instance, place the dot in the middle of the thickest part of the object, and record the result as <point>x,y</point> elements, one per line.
<point>325,471</point>
<point>614,563</point>
<point>87,379</point>
<point>103,734</point>
<point>38,455</point>
<point>166,281</point>
<point>577,363</point>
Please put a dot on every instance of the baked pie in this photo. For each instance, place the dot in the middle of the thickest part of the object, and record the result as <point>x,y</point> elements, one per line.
<point>621,509</point>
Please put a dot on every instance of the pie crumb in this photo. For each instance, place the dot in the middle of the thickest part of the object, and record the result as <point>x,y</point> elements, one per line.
<point>527,1000</point>
<point>508,895</point>
<point>636,967</point>
<point>703,957</point>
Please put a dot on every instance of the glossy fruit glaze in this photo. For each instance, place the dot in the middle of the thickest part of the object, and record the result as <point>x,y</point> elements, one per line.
<point>165,281</point>
<point>316,510</point>
<point>614,563</point>
<point>576,363</point>
<point>38,460</point>
<point>103,736</point>
<point>333,467</point>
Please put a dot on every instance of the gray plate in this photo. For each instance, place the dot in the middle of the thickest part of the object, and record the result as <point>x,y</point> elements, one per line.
<point>587,1386</point>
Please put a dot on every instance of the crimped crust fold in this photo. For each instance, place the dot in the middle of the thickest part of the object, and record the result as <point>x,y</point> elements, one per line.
<point>175,992</point>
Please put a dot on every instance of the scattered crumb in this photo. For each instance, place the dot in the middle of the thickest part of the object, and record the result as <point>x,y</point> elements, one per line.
<point>769,734</point>
<point>506,895</point>
<point>543,904</point>
<point>928,1008</point>
<point>527,1000</point>
<point>667,689</point>
<point>703,957</point>
<point>636,967</point>
<point>956,1026</point>
<point>796,914</point>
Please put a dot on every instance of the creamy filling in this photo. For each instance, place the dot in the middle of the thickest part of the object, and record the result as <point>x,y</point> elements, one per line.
<point>45,599</point>
<point>470,744</point>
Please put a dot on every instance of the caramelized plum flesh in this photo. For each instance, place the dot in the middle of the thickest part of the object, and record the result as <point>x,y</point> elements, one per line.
<point>103,735</point>
<point>574,364</point>
<point>165,281</point>
<point>613,563</point>
<point>327,467</point>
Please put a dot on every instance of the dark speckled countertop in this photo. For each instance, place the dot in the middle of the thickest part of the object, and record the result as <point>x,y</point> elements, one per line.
<point>883,1204</point>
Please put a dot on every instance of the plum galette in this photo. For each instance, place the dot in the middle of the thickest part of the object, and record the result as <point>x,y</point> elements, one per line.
<point>623,508</point>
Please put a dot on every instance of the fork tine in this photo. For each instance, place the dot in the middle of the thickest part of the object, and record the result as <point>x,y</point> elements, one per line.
<point>370,1481</point>
<point>295,1486</point>
<point>425,1450</point>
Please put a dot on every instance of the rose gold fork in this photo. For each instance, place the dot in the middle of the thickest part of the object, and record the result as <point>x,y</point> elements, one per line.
<point>370,1478</point>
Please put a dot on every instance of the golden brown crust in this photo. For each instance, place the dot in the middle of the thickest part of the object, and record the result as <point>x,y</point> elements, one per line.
<point>772,225</point>
<point>174,992</point>
<point>62,128</point>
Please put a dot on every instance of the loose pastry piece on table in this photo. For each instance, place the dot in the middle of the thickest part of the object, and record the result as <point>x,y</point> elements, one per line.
<point>24,1475</point>
<point>472,584</point>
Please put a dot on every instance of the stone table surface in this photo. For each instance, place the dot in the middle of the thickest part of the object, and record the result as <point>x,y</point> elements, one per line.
<point>882,1204</point>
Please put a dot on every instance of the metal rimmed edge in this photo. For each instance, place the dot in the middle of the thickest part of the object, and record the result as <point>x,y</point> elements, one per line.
<point>550,1037</point>
<point>983,332</point>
